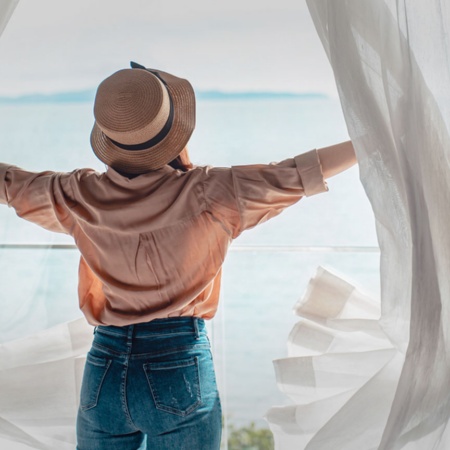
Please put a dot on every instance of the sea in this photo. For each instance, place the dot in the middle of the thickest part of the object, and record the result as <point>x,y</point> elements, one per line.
<point>267,269</point>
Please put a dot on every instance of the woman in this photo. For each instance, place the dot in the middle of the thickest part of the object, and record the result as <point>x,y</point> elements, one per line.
<point>153,232</point>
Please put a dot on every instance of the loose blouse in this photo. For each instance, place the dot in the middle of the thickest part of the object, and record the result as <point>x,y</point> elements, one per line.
<point>153,246</point>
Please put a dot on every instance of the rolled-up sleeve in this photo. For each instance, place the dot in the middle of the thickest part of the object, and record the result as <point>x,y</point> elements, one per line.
<point>38,197</point>
<point>310,171</point>
<point>3,194</point>
<point>245,196</point>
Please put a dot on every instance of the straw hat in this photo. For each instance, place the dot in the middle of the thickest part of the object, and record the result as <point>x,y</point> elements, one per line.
<point>143,119</point>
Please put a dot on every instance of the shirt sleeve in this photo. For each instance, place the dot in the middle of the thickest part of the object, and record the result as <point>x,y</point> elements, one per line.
<point>38,197</point>
<point>242,197</point>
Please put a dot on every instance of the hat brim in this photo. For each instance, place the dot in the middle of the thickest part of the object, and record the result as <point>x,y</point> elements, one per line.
<point>155,157</point>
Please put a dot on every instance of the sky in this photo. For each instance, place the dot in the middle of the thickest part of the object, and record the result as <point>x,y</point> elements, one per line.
<point>232,45</point>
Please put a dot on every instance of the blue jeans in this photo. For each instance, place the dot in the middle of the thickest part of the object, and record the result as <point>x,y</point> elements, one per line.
<point>152,381</point>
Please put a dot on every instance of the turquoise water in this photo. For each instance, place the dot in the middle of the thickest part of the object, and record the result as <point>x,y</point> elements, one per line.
<point>260,286</point>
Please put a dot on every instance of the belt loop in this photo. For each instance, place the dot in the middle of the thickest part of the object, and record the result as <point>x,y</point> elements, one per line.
<point>130,332</point>
<point>95,330</point>
<point>196,327</point>
<point>129,338</point>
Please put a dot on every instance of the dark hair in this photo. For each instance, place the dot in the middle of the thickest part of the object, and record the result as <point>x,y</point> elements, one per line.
<point>182,161</point>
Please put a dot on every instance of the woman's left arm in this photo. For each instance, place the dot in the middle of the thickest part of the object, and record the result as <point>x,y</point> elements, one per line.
<point>337,158</point>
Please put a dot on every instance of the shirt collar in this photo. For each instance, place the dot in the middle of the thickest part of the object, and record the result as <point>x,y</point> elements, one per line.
<point>140,180</point>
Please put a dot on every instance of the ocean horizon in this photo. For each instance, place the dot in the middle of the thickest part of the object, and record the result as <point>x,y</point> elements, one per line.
<point>88,95</point>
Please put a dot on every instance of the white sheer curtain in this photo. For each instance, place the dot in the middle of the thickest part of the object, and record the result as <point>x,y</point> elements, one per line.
<point>356,391</point>
<point>6,9</point>
<point>40,380</point>
<point>40,375</point>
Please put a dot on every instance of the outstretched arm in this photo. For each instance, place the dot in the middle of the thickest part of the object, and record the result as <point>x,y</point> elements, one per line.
<point>38,197</point>
<point>337,158</point>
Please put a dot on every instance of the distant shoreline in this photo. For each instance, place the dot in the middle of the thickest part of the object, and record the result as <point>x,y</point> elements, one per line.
<point>89,95</point>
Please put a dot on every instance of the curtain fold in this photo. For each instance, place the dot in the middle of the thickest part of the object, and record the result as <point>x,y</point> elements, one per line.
<point>40,379</point>
<point>391,64</point>
<point>6,9</point>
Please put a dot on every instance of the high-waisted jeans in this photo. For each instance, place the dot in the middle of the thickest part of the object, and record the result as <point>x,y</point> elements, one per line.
<point>152,381</point>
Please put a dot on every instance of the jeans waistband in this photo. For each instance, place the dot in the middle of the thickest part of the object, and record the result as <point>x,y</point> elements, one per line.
<point>157,327</point>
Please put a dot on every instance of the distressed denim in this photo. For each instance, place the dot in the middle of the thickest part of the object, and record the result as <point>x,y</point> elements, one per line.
<point>150,385</point>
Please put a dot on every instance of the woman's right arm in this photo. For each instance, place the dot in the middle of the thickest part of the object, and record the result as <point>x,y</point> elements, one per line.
<point>337,158</point>
<point>38,197</point>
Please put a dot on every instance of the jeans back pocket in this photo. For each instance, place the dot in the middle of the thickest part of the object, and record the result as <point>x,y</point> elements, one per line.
<point>175,385</point>
<point>93,376</point>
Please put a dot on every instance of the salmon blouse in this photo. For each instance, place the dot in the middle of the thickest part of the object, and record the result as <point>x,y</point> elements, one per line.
<point>153,246</point>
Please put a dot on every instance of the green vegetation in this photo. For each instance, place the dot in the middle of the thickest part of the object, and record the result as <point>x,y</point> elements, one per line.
<point>250,438</point>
